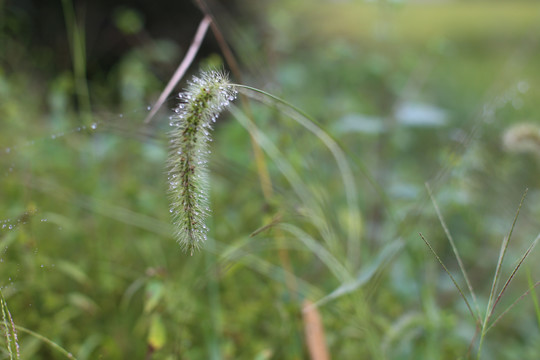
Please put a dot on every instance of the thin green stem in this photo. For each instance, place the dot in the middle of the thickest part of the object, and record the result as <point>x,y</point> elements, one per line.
<point>76,38</point>
<point>449,274</point>
<point>490,307</point>
<point>531,290</point>
<point>456,252</point>
<point>534,297</point>
<point>47,341</point>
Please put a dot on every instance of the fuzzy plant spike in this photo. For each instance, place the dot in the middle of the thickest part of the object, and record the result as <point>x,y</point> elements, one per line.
<point>200,105</point>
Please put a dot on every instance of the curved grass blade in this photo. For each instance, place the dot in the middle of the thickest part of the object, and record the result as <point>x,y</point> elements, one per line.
<point>353,243</point>
<point>366,274</point>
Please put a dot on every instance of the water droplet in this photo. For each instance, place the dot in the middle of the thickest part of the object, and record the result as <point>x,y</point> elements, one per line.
<point>8,150</point>
<point>44,220</point>
<point>53,136</point>
<point>42,266</point>
<point>148,108</point>
<point>93,126</point>
<point>121,115</point>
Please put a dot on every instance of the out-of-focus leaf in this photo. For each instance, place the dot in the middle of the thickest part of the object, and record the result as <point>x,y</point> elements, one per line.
<point>420,115</point>
<point>73,271</point>
<point>83,302</point>
<point>157,335</point>
<point>358,123</point>
<point>89,345</point>
<point>154,292</point>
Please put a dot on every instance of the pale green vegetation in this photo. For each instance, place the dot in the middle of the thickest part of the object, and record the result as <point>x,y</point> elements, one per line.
<point>403,121</point>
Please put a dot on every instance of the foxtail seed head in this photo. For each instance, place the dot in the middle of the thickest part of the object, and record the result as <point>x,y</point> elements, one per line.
<point>200,105</point>
<point>522,138</point>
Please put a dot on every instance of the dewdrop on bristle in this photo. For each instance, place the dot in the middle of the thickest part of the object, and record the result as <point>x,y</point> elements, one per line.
<point>199,107</point>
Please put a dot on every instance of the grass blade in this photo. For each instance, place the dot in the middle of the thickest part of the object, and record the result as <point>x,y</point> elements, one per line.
<point>534,297</point>
<point>504,248</point>
<point>531,290</point>
<point>496,277</point>
<point>47,341</point>
<point>455,250</point>
<point>366,274</point>
<point>449,274</point>
<point>182,68</point>
<point>10,330</point>
<point>511,277</point>
<point>353,243</point>
<point>331,262</point>
<point>294,179</point>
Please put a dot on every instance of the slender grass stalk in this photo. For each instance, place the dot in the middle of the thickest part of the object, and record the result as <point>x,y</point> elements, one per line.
<point>12,340</point>
<point>294,179</point>
<point>260,162</point>
<point>214,304</point>
<point>511,277</point>
<point>236,255</point>
<point>76,38</point>
<point>49,342</point>
<point>199,107</point>
<point>262,169</point>
<point>449,274</point>
<point>456,252</point>
<point>332,263</point>
<point>182,68</point>
<point>534,297</point>
<point>531,290</point>
<point>496,277</point>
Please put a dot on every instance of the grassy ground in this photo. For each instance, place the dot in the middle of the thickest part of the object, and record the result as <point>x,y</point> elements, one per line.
<point>89,259</point>
<point>418,22</point>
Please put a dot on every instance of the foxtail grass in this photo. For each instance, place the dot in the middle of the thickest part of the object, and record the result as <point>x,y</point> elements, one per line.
<point>199,107</point>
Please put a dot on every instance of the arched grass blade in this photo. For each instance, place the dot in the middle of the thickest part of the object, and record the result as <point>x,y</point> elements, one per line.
<point>353,243</point>
<point>51,343</point>
<point>366,274</point>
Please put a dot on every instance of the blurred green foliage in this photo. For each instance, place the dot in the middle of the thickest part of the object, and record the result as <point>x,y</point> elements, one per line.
<point>413,93</point>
